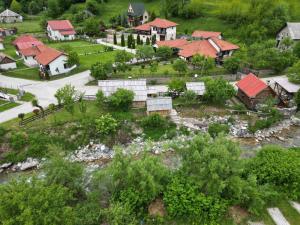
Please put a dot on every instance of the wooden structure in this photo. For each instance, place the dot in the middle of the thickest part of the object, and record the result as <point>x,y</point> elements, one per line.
<point>138,87</point>
<point>253,91</point>
<point>157,90</point>
<point>284,89</point>
<point>160,105</point>
<point>197,87</point>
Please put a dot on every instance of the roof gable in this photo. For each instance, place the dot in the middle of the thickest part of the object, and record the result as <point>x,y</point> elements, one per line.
<point>9,13</point>
<point>161,23</point>
<point>138,8</point>
<point>224,45</point>
<point>60,25</point>
<point>6,59</point>
<point>251,85</point>
<point>26,41</point>
<point>203,48</point>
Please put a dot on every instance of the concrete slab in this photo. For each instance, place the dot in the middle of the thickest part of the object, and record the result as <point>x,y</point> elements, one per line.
<point>277,216</point>
<point>255,223</point>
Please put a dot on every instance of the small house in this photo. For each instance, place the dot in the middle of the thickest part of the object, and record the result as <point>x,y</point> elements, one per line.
<point>1,43</point>
<point>290,30</point>
<point>160,105</point>
<point>161,29</point>
<point>137,14</point>
<point>284,89</point>
<point>60,30</point>
<point>53,62</point>
<point>8,16</point>
<point>197,87</point>
<point>138,87</point>
<point>205,35</point>
<point>253,91</point>
<point>212,47</point>
<point>6,62</point>
<point>176,45</point>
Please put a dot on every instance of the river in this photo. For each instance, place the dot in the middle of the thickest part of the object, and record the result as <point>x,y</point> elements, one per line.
<point>249,146</point>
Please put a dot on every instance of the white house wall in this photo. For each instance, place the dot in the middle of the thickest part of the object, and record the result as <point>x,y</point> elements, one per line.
<point>57,36</point>
<point>1,46</point>
<point>57,66</point>
<point>8,66</point>
<point>30,61</point>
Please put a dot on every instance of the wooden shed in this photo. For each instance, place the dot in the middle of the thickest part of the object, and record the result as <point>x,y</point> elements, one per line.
<point>160,105</point>
<point>253,91</point>
<point>137,86</point>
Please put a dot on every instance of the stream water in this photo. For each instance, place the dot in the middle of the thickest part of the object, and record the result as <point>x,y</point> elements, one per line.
<point>249,146</point>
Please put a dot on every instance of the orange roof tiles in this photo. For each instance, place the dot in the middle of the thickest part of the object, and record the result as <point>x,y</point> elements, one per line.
<point>26,41</point>
<point>161,23</point>
<point>224,45</point>
<point>251,85</point>
<point>48,55</point>
<point>198,47</point>
<point>205,34</point>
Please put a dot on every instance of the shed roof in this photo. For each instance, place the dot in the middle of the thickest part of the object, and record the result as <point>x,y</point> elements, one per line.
<point>197,87</point>
<point>286,84</point>
<point>3,56</point>
<point>159,104</point>
<point>156,89</point>
<point>251,85</point>
<point>137,86</point>
<point>8,13</point>
<point>294,29</point>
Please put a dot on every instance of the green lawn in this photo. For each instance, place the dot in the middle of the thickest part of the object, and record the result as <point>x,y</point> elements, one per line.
<point>5,105</point>
<point>27,97</point>
<point>30,25</point>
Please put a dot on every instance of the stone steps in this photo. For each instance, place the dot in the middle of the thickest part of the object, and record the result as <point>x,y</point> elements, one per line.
<point>277,216</point>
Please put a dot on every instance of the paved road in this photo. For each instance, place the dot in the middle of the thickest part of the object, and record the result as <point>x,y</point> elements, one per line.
<point>44,91</point>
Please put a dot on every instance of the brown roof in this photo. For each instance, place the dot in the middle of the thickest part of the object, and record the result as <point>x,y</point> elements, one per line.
<point>161,23</point>
<point>3,57</point>
<point>198,47</point>
<point>48,55</point>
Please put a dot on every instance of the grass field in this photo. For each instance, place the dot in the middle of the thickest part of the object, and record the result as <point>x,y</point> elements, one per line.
<point>30,25</point>
<point>5,105</point>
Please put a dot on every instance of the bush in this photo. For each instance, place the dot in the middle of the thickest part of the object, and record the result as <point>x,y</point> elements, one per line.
<point>154,121</point>
<point>122,99</point>
<point>18,140</point>
<point>215,129</point>
<point>189,97</point>
<point>106,125</point>
<point>100,98</point>
<point>273,118</point>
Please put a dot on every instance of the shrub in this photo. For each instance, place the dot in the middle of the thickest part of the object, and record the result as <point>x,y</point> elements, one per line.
<point>154,121</point>
<point>122,99</point>
<point>100,98</point>
<point>176,86</point>
<point>215,129</point>
<point>106,125</point>
<point>18,140</point>
<point>189,97</point>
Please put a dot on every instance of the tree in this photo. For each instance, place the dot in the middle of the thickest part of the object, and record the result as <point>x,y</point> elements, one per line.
<point>15,6</point>
<point>129,41</point>
<point>153,40</point>
<point>147,41</point>
<point>92,6</point>
<point>154,66</point>
<point>106,125</point>
<point>122,40</point>
<point>232,64</point>
<point>296,49</point>
<point>180,66</point>
<point>73,58</point>
<point>100,71</point>
<point>164,52</point>
<point>122,99</point>
<point>203,63</point>
<point>115,39</point>
<point>294,73</point>
<point>145,52</point>
<point>218,90</point>
<point>100,98</point>
<point>176,86</point>
<point>53,8</point>
<point>216,128</point>
<point>91,26</point>
<point>34,202</point>
<point>123,57</point>
<point>67,96</point>
<point>138,39</point>
<point>35,103</point>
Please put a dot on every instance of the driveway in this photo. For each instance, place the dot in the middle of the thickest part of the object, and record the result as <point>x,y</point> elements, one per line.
<point>43,90</point>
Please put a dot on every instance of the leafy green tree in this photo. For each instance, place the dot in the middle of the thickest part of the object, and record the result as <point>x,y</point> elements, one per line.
<point>100,71</point>
<point>91,26</point>
<point>15,6</point>
<point>153,40</point>
<point>53,8</point>
<point>154,67</point>
<point>67,96</point>
<point>100,98</point>
<point>218,90</point>
<point>297,99</point>
<point>180,66</point>
<point>164,52</point>
<point>34,202</point>
<point>115,39</point>
<point>176,86</point>
<point>73,58</point>
<point>122,99</point>
<point>203,63</point>
<point>122,57</point>
<point>296,49</point>
<point>145,52</point>
<point>93,7</point>
<point>106,125</point>
<point>216,128</point>
<point>232,64</point>
<point>294,73</point>
<point>129,41</point>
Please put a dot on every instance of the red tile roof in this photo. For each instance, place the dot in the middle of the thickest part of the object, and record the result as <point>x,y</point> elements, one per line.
<point>198,47</point>
<point>161,23</point>
<point>251,85</point>
<point>61,25</point>
<point>26,41</point>
<point>178,43</point>
<point>224,45</point>
<point>205,34</point>
<point>33,50</point>
<point>48,55</point>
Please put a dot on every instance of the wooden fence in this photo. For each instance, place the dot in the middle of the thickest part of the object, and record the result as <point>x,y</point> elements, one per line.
<point>40,115</point>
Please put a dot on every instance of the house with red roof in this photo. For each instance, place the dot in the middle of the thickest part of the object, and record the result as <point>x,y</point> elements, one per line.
<point>253,91</point>
<point>204,35</point>
<point>212,47</point>
<point>60,30</point>
<point>160,29</point>
<point>53,62</point>
<point>176,45</point>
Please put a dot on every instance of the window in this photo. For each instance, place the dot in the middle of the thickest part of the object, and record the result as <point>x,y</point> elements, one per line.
<point>65,65</point>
